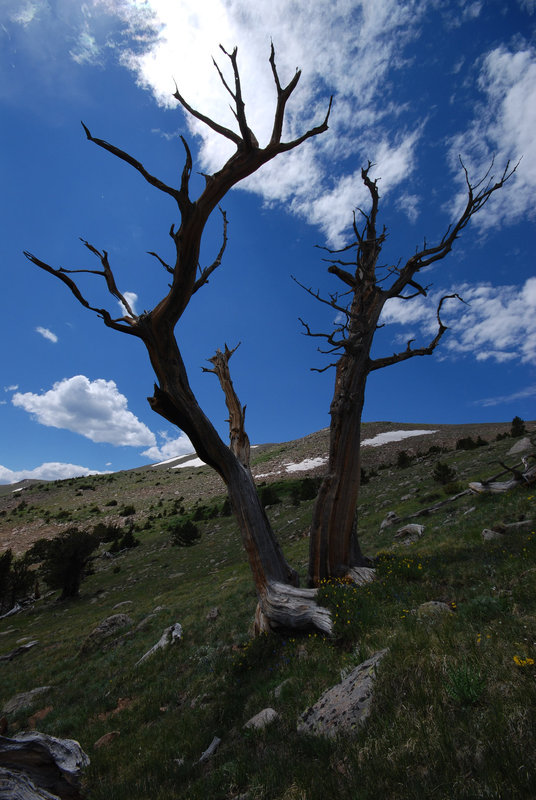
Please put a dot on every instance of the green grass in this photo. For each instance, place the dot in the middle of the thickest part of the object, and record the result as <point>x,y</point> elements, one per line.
<point>453,711</point>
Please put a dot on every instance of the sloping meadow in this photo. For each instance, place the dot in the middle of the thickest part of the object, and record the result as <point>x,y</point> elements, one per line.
<point>452,713</point>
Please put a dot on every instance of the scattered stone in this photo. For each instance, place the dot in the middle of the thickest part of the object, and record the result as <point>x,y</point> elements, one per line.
<point>262,719</point>
<point>123,603</point>
<point>213,613</point>
<point>345,706</point>
<point>279,690</point>
<point>469,511</point>
<point>409,533</point>
<point>23,700</point>
<point>489,535</point>
<point>211,749</point>
<point>100,637</point>
<point>390,519</point>
<point>18,651</point>
<point>145,621</point>
<point>522,446</point>
<point>106,740</point>
<point>433,609</point>
<point>52,765</point>
<point>170,635</point>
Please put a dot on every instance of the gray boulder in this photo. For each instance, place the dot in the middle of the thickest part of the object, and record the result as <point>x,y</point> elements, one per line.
<point>262,719</point>
<point>346,706</point>
<point>23,700</point>
<point>101,637</point>
<point>409,533</point>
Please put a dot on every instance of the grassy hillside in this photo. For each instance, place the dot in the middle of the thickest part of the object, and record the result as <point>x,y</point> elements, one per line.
<point>453,711</point>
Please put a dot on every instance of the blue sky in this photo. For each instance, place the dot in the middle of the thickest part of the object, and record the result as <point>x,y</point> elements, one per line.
<point>416,84</point>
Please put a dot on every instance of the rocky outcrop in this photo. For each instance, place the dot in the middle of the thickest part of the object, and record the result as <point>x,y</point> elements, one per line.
<point>346,706</point>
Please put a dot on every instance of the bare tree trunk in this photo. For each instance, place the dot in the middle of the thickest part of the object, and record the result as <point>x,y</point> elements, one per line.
<point>334,548</point>
<point>175,401</point>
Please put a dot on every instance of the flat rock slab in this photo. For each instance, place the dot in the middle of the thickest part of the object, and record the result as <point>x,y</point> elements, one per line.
<point>24,700</point>
<point>346,706</point>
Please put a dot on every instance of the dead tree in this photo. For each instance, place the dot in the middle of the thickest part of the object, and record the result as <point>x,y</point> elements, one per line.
<point>334,547</point>
<point>173,398</point>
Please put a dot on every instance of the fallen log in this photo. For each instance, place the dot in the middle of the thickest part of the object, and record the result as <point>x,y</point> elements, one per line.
<point>53,765</point>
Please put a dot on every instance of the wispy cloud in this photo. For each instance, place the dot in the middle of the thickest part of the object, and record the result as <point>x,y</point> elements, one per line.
<point>94,409</point>
<point>49,471</point>
<point>496,323</point>
<point>522,394</point>
<point>47,334</point>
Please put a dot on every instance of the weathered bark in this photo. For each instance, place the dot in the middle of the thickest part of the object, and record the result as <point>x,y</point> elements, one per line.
<point>334,547</point>
<point>239,440</point>
<point>52,764</point>
<point>174,400</point>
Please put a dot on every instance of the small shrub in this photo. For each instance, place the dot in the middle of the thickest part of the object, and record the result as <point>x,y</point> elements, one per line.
<point>468,443</point>
<point>184,534</point>
<point>65,560</point>
<point>16,580</point>
<point>111,503</point>
<point>443,473</point>
<point>269,496</point>
<point>403,459</point>
<point>226,510</point>
<point>127,511</point>
<point>107,533</point>
<point>465,684</point>
<point>518,427</point>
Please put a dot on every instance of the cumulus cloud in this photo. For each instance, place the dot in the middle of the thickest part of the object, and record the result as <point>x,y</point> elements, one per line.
<point>47,334</point>
<point>496,323</point>
<point>503,129</point>
<point>49,471</point>
<point>170,448</point>
<point>350,66</point>
<point>95,409</point>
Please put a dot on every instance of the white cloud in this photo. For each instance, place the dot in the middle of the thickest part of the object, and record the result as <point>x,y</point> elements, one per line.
<point>46,334</point>
<point>522,394</point>
<point>25,13</point>
<point>49,471</point>
<point>12,388</point>
<point>132,299</point>
<point>495,323</point>
<point>95,409</point>
<point>503,128</point>
<point>348,64</point>
<point>171,448</point>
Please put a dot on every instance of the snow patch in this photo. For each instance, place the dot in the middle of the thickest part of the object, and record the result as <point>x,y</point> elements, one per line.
<point>167,461</point>
<point>308,463</point>
<point>193,462</point>
<point>392,436</point>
